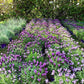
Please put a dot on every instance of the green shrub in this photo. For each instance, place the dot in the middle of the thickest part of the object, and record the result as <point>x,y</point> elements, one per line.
<point>3,39</point>
<point>10,27</point>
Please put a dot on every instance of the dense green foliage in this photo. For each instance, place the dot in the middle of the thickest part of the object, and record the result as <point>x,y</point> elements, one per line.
<point>42,9</point>
<point>11,27</point>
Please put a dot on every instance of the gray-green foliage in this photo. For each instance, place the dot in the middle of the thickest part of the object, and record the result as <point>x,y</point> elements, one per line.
<point>10,27</point>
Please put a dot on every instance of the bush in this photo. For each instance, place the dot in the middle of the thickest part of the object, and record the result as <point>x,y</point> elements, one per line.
<point>6,9</point>
<point>11,27</point>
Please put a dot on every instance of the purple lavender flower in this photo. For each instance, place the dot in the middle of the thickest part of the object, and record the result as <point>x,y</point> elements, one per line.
<point>82,81</point>
<point>53,72</point>
<point>46,81</point>
<point>44,64</point>
<point>46,68</point>
<point>67,75</point>
<point>10,65</point>
<point>58,59</point>
<point>32,77</point>
<point>67,80</point>
<point>51,60</point>
<point>40,69</point>
<point>34,61</point>
<point>29,69</point>
<point>52,54</point>
<point>43,74</point>
<point>58,65</point>
<point>82,61</point>
<point>57,53</point>
<point>59,70</point>
<point>46,72</point>
<point>40,63</point>
<point>3,45</point>
<point>9,71</point>
<point>54,64</point>
<point>38,73</point>
<point>72,76</point>
<point>25,73</point>
<point>75,81</point>
<point>39,79</point>
<point>3,69</point>
<point>60,74</point>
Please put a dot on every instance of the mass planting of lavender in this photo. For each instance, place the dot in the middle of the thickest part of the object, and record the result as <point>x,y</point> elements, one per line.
<point>77,28</point>
<point>44,53</point>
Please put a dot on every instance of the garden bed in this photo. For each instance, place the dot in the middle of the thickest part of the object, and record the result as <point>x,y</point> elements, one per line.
<point>76,28</point>
<point>44,53</point>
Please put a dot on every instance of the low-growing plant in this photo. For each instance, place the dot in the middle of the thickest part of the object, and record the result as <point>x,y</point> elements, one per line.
<point>32,75</point>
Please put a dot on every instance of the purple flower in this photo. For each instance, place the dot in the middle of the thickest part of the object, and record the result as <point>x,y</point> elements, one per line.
<point>37,62</point>
<point>43,74</point>
<point>3,45</point>
<point>29,69</point>
<point>54,57</point>
<point>72,76</point>
<point>51,60</point>
<point>32,77</point>
<point>58,59</point>
<point>82,61</point>
<point>52,54</point>
<point>46,72</point>
<point>25,72</point>
<point>46,80</point>
<point>39,79</point>
<point>54,64</point>
<point>3,69</point>
<point>9,71</point>
<point>31,63</point>
<point>34,61</point>
<point>57,53</point>
<point>36,65</point>
<point>60,74</point>
<point>67,75</point>
<point>38,73</point>
<point>10,65</point>
<point>78,63</point>
<point>53,72</point>
<point>58,65</point>
<point>44,64</point>
<point>59,70</point>
<point>67,80</point>
<point>0,63</point>
<point>82,81</point>
<point>75,81</point>
<point>46,68</point>
<point>40,69</point>
<point>49,56</point>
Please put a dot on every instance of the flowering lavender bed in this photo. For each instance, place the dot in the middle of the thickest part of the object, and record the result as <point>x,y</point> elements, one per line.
<point>76,28</point>
<point>44,53</point>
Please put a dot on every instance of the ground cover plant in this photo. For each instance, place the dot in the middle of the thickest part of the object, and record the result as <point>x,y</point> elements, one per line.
<point>76,27</point>
<point>44,53</point>
<point>9,28</point>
